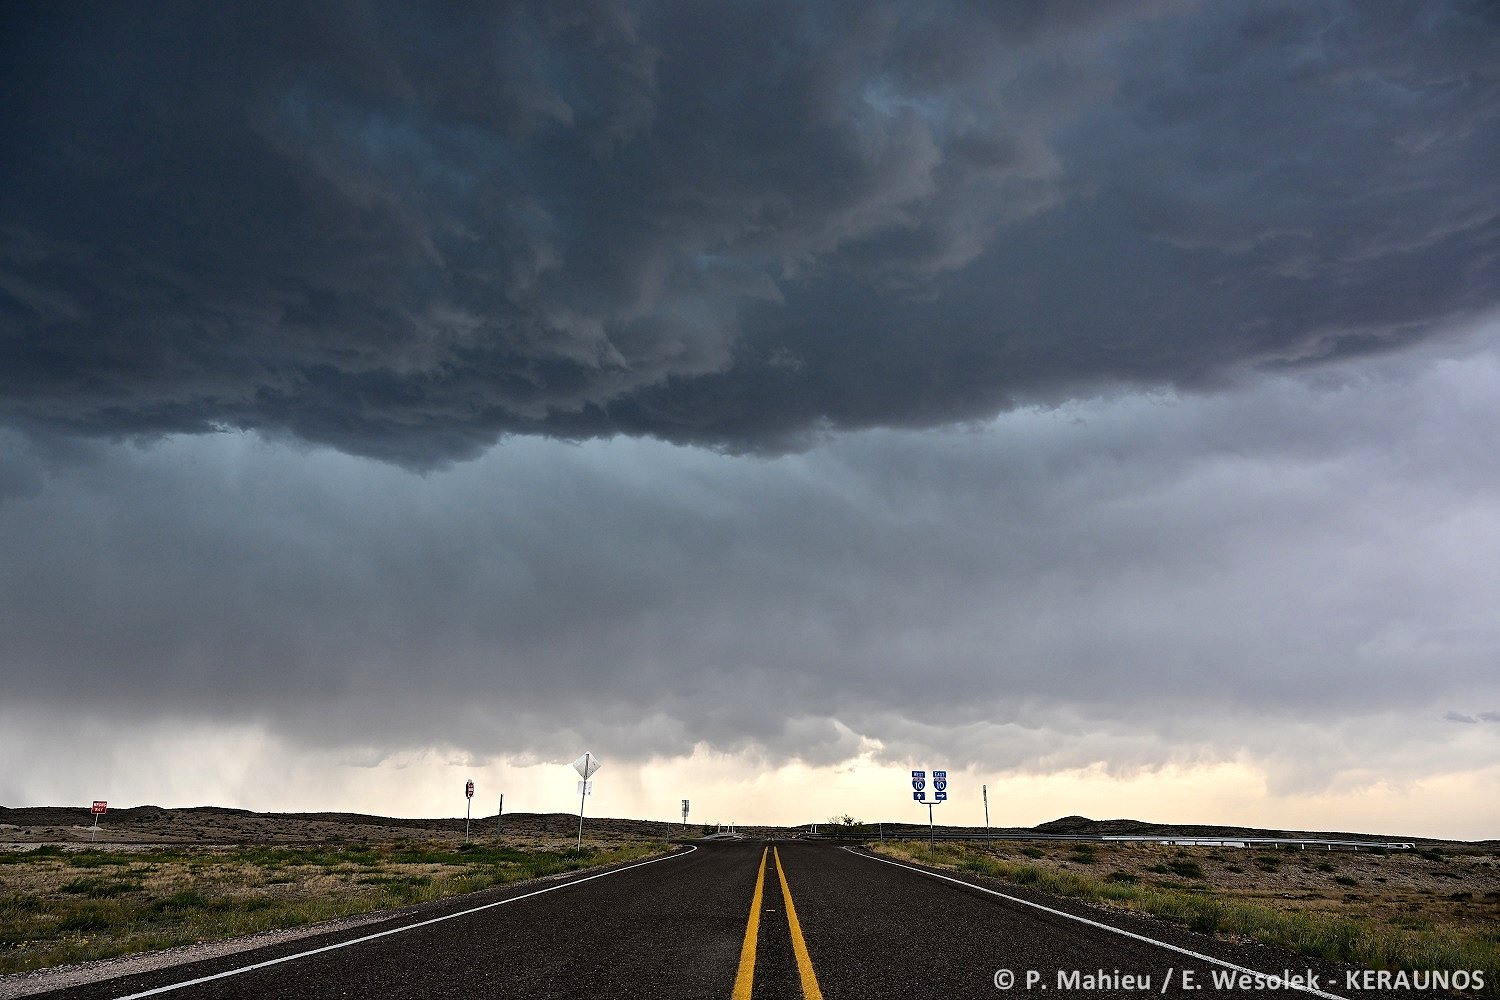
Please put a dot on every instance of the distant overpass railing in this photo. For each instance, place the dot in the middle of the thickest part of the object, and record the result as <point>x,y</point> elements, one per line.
<point>915,832</point>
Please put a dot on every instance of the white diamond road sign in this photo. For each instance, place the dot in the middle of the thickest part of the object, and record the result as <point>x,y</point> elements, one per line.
<point>586,766</point>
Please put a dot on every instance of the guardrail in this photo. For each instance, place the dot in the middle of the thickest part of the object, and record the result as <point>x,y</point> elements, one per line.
<point>913,832</point>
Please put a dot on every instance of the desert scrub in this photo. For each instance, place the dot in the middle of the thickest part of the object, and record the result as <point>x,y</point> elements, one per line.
<point>1389,944</point>
<point>61,907</point>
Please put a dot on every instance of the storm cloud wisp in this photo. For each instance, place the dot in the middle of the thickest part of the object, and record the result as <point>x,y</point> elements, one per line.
<point>407,234</point>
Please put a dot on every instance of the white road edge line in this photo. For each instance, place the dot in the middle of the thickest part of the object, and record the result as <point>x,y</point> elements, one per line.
<point>1270,980</point>
<point>397,930</point>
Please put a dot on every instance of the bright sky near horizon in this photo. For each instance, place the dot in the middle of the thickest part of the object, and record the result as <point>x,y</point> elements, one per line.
<point>1100,401</point>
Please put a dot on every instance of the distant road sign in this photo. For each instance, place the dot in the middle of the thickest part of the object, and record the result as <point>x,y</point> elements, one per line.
<point>919,796</point>
<point>940,780</point>
<point>585,788</point>
<point>586,766</point>
<point>940,796</point>
<point>919,780</point>
<point>99,806</point>
<point>469,789</point>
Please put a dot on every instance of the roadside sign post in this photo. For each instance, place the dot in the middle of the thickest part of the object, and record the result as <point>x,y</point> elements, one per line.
<point>468,806</point>
<point>986,790</point>
<point>585,766</point>
<point>98,810</point>
<point>499,811</point>
<point>684,815</point>
<point>939,795</point>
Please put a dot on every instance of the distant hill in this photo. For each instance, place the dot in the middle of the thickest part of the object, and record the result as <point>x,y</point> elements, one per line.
<point>1083,826</point>
<point>220,825</point>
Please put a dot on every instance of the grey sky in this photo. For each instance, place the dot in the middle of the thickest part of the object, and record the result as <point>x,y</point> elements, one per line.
<point>1041,386</point>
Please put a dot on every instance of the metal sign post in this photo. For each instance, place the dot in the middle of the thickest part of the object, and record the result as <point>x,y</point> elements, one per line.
<point>98,810</point>
<point>986,790</point>
<point>684,815</point>
<point>500,811</point>
<point>585,766</point>
<point>468,804</point>
<point>939,795</point>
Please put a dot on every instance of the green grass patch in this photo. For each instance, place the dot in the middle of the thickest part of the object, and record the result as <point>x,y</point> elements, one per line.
<point>96,859</point>
<point>179,902</point>
<point>100,888</point>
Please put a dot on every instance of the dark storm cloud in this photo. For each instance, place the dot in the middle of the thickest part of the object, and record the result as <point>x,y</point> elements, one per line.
<point>406,233</point>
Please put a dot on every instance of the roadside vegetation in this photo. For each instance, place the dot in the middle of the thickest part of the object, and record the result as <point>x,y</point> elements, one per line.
<point>61,906</point>
<point>1429,911</point>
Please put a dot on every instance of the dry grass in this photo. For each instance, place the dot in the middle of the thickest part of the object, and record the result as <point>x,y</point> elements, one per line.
<point>1435,910</point>
<point>60,906</point>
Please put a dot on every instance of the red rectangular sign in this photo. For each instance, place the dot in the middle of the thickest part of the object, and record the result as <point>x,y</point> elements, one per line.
<point>99,806</point>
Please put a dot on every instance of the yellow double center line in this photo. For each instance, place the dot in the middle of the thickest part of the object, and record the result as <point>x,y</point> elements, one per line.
<point>744,980</point>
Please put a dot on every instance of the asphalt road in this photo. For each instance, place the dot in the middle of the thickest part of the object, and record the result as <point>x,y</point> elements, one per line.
<point>743,921</point>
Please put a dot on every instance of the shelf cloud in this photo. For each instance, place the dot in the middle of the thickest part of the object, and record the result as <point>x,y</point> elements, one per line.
<point>407,234</point>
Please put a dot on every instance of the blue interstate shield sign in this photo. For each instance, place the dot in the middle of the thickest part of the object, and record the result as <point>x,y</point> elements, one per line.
<point>919,780</point>
<point>940,780</point>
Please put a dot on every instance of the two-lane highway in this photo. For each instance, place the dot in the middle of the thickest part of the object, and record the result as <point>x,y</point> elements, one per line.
<point>743,921</point>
